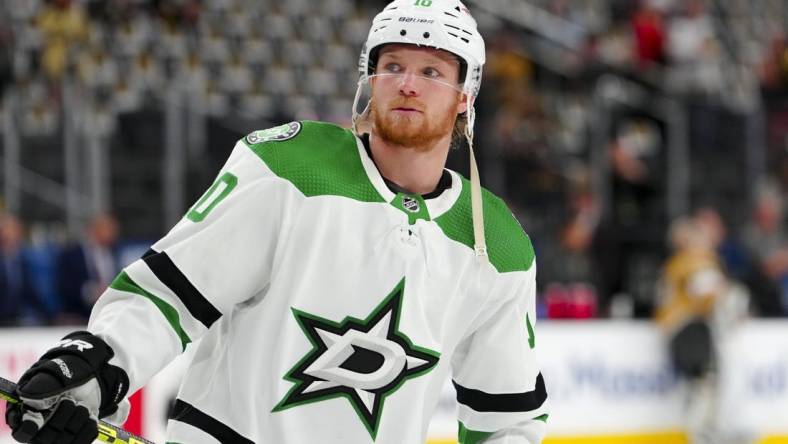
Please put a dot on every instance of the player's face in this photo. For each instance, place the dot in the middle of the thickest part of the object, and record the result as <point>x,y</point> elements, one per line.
<point>415,95</point>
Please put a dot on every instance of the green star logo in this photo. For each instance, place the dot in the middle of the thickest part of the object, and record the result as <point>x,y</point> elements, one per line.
<point>364,361</point>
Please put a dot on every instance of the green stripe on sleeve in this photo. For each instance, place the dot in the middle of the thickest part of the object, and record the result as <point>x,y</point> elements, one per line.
<point>124,283</point>
<point>466,436</point>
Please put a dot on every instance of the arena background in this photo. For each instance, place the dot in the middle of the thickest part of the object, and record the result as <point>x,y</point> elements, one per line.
<point>601,122</point>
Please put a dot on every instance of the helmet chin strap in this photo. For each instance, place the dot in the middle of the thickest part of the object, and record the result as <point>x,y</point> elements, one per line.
<point>354,119</point>
<point>479,245</point>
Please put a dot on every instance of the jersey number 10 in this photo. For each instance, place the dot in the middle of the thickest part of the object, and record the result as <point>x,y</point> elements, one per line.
<point>218,191</point>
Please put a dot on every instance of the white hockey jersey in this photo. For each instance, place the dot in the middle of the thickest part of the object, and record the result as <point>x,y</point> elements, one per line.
<point>331,309</point>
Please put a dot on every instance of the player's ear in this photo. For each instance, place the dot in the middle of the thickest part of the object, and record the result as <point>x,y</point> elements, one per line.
<point>462,104</point>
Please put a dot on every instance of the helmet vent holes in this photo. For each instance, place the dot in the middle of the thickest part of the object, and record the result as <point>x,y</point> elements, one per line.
<point>449,14</point>
<point>402,32</point>
<point>426,35</point>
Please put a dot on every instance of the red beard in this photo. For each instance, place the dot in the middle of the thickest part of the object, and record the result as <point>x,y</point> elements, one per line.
<point>415,131</point>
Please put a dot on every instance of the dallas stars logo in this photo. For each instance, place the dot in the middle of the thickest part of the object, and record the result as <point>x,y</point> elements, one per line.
<point>363,361</point>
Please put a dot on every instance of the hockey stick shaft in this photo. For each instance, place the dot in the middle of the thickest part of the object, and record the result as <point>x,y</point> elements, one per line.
<point>106,432</point>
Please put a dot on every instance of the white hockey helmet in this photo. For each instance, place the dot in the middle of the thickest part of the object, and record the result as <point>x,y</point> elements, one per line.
<point>440,24</point>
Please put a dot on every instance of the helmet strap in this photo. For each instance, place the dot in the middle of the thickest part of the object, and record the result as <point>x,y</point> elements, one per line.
<point>356,115</point>
<point>480,245</point>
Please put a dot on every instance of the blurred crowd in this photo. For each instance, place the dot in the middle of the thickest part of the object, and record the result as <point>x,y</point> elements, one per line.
<point>260,59</point>
<point>55,283</point>
<point>603,251</point>
<point>601,225</point>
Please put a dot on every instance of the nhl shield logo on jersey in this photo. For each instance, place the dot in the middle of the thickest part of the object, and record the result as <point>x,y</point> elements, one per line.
<point>275,134</point>
<point>410,204</point>
<point>363,361</point>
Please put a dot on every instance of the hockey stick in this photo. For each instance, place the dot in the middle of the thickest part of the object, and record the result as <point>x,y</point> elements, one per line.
<point>106,432</point>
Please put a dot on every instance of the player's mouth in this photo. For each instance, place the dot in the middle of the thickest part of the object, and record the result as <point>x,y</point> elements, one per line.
<point>406,110</point>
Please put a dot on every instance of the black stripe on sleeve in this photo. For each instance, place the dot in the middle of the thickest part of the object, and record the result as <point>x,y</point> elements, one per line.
<point>188,414</point>
<point>168,273</point>
<point>505,402</point>
<point>149,253</point>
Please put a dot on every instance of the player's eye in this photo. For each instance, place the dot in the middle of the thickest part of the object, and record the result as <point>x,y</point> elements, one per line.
<point>392,67</point>
<point>431,73</point>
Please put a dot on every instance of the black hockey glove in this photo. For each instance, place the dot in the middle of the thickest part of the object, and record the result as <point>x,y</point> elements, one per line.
<point>66,391</point>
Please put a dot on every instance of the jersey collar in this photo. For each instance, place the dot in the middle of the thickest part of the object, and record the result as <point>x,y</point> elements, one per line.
<point>438,201</point>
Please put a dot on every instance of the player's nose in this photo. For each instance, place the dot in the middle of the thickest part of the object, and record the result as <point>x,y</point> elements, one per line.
<point>410,85</point>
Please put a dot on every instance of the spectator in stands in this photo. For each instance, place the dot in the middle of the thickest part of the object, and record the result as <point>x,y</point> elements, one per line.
<point>649,29</point>
<point>693,282</point>
<point>19,302</point>
<point>767,240</point>
<point>739,263</point>
<point>732,253</point>
<point>507,65</point>
<point>64,25</point>
<point>773,71</point>
<point>577,233</point>
<point>613,46</point>
<point>693,51</point>
<point>575,296</point>
<point>84,270</point>
<point>628,230</point>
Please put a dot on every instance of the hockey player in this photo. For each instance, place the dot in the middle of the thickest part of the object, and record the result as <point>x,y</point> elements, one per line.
<point>335,279</point>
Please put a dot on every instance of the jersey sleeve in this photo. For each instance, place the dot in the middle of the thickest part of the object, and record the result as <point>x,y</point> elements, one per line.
<point>500,390</point>
<point>218,256</point>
